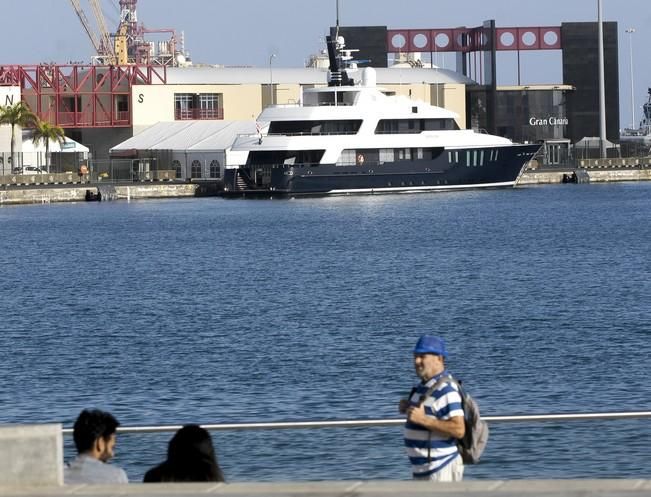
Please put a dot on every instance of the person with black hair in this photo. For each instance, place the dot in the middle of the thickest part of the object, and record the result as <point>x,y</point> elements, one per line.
<point>190,457</point>
<point>94,436</point>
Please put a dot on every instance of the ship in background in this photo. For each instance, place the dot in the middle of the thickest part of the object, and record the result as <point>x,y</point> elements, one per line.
<point>353,137</point>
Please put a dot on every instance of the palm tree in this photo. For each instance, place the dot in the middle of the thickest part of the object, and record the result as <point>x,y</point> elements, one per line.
<point>17,115</point>
<point>45,131</point>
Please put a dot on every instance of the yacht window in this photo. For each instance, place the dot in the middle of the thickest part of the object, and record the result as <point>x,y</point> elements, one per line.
<point>359,157</point>
<point>342,127</point>
<point>385,126</point>
<point>271,157</point>
<point>386,155</point>
<point>328,98</point>
<point>347,158</point>
<point>403,154</point>
<point>432,153</point>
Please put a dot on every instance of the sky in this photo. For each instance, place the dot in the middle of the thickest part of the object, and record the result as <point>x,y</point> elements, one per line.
<point>248,32</point>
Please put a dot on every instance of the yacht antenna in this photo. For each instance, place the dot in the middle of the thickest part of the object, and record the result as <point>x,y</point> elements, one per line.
<point>337,21</point>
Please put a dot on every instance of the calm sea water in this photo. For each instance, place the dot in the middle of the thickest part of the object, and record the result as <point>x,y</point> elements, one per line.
<point>213,310</point>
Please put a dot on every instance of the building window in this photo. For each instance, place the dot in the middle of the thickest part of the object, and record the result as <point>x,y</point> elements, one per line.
<point>176,165</point>
<point>195,170</point>
<point>198,106</point>
<point>214,169</point>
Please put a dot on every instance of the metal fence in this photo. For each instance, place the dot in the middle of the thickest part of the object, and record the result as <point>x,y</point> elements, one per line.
<point>27,163</point>
<point>366,423</point>
<point>74,168</point>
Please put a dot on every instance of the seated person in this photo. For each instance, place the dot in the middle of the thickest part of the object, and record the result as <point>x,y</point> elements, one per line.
<point>190,457</point>
<point>94,436</point>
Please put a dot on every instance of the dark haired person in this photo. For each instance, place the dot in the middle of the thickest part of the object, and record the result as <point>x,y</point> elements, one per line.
<point>94,436</point>
<point>190,457</point>
<point>435,417</point>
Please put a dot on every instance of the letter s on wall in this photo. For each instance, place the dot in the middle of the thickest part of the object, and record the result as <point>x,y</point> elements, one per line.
<point>141,98</point>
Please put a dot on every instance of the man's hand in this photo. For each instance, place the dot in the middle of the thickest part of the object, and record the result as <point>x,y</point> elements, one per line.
<point>416,414</point>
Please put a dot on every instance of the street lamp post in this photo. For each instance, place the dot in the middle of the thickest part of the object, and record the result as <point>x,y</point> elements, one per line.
<point>271,80</point>
<point>602,84</point>
<point>630,32</point>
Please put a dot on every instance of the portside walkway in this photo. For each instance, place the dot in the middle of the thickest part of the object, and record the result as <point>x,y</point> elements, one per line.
<point>375,488</point>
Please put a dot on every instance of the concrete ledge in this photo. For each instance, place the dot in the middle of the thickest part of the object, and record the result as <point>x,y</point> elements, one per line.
<point>595,175</point>
<point>15,195</point>
<point>375,488</point>
<point>31,455</point>
<point>156,190</point>
<point>543,177</point>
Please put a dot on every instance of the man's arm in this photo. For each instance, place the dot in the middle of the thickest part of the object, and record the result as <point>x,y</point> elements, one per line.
<point>454,427</point>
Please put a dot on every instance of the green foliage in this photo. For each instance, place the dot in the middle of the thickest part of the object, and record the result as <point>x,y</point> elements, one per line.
<point>46,132</point>
<point>17,115</point>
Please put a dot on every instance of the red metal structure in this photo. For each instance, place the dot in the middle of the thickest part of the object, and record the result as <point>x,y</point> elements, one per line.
<point>473,39</point>
<point>81,96</point>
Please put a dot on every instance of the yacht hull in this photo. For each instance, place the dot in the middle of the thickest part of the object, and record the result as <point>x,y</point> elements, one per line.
<point>489,167</point>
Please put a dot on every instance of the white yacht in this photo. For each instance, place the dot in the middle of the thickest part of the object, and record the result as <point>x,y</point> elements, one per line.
<point>354,137</point>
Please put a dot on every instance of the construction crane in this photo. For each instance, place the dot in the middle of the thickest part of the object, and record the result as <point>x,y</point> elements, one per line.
<point>105,38</point>
<point>128,45</point>
<point>102,43</point>
<point>84,22</point>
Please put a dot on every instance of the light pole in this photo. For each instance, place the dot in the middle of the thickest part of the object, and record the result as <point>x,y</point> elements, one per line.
<point>602,84</point>
<point>630,32</point>
<point>271,80</point>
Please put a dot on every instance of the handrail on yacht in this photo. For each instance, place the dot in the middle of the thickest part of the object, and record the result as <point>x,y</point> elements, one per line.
<point>366,423</point>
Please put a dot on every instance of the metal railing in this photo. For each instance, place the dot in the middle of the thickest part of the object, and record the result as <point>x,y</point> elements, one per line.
<point>367,423</point>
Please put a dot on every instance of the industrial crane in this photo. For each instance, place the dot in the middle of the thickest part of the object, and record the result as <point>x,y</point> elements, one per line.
<point>102,44</point>
<point>127,45</point>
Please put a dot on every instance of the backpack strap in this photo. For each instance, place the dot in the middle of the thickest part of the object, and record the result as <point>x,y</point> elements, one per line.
<point>443,379</point>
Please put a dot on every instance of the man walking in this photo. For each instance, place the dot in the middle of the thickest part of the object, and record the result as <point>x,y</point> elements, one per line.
<point>94,436</point>
<point>435,418</point>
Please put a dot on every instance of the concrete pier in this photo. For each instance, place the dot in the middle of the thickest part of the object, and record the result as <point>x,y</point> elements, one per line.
<point>14,195</point>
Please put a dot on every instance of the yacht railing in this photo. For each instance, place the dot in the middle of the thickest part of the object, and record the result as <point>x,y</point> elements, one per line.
<point>368,423</point>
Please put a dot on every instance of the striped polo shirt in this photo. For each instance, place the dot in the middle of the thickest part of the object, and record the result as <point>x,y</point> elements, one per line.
<point>429,451</point>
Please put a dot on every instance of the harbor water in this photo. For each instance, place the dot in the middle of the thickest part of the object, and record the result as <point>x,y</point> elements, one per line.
<point>212,310</point>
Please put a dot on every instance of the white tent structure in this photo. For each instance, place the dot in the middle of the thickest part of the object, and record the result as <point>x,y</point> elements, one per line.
<point>195,149</point>
<point>34,153</point>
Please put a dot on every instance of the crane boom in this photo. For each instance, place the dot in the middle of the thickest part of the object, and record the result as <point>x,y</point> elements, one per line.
<point>86,25</point>
<point>103,31</point>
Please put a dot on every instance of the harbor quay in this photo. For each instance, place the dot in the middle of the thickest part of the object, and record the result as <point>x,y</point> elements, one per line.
<point>33,190</point>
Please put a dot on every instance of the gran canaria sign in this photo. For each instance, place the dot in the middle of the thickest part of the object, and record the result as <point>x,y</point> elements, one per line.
<point>548,121</point>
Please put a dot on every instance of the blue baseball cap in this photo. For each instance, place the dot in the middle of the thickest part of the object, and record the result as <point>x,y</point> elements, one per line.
<point>428,344</point>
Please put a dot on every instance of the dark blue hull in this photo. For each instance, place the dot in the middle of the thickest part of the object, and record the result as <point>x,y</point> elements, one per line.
<point>454,169</point>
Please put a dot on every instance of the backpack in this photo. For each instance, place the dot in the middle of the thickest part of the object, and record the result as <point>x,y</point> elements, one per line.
<point>473,443</point>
